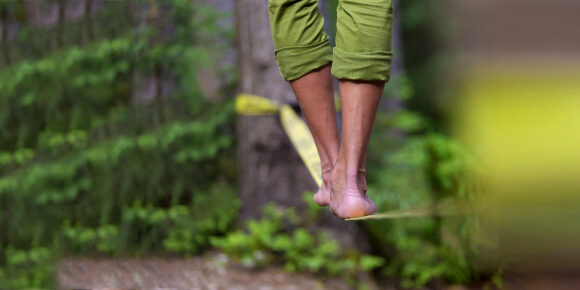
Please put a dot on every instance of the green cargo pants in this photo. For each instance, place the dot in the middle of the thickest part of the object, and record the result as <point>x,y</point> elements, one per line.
<point>363,38</point>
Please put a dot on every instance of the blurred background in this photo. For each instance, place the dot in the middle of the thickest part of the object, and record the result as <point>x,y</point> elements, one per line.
<point>123,163</point>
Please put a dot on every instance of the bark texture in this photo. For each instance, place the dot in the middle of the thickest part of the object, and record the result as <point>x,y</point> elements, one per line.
<point>270,170</point>
<point>269,167</point>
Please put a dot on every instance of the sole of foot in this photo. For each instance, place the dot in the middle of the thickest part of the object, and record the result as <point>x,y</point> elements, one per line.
<point>353,206</point>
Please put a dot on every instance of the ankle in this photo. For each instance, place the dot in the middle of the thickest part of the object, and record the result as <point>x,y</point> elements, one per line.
<point>353,179</point>
<point>326,174</point>
<point>361,174</point>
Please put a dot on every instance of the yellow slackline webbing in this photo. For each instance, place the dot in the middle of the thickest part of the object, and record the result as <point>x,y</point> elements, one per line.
<point>251,105</point>
<point>302,140</point>
<point>295,128</point>
<point>300,136</point>
<point>448,208</point>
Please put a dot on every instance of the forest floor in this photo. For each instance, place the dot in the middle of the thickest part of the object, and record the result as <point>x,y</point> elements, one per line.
<point>216,271</point>
<point>211,271</point>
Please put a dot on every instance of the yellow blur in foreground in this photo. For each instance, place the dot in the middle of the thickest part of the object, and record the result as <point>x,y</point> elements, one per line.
<point>524,122</point>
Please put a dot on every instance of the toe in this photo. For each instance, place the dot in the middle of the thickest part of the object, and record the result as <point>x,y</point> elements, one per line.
<point>372,207</point>
<point>321,198</point>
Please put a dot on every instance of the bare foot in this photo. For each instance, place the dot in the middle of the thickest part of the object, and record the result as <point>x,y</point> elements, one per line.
<point>322,196</point>
<point>348,198</point>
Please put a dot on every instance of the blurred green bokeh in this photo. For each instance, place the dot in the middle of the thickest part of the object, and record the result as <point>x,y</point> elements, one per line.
<point>106,143</point>
<point>109,145</point>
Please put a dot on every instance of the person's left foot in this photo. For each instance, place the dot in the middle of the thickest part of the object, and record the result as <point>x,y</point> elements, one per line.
<point>322,196</point>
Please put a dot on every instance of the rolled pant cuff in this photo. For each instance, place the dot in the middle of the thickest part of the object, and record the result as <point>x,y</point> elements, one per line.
<point>296,61</point>
<point>367,66</point>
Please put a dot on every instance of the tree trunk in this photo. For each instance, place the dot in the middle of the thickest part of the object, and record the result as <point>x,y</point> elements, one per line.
<point>60,25</point>
<point>4,36</point>
<point>89,26</point>
<point>270,170</point>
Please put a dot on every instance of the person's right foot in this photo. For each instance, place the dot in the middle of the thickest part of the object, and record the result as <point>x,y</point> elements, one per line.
<point>348,198</point>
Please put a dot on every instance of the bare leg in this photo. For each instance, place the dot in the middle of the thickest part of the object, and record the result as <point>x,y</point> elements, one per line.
<point>315,94</point>
<point>348,184</point>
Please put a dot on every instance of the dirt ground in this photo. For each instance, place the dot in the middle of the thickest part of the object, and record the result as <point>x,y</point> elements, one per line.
<point>216,271</point>
<point>213,271</point>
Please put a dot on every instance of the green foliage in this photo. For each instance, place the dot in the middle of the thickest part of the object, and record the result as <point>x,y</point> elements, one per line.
<point>26,269</point>
<point>94,79</point>
<point>280,236</point>
<point>417,170</point>
<point>38,41</point>
<point>453,170</point>
<point>86,167</point>
<point>426,31</point>
<point>97,194</point>
<point>410,165</point>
